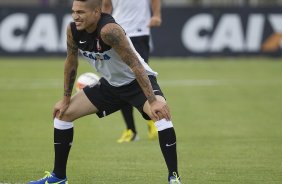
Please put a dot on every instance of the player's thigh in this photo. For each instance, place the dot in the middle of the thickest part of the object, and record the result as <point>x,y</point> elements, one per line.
<point>147,107</point>
<point>80,106</point>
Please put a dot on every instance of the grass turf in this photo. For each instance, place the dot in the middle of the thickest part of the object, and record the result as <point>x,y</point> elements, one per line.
<point>226,112</point>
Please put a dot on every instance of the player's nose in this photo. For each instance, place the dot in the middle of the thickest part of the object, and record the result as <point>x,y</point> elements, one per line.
<point>75,16</point>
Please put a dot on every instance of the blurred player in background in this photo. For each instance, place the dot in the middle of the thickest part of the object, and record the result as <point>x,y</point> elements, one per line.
<point>136,17</point>
<point>125,78</point>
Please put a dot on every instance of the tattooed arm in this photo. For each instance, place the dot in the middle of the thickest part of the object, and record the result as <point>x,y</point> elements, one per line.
<point>113,35</point>
<point>71,64</point>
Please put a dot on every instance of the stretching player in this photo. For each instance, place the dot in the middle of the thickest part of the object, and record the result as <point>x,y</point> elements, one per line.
<point>126,79</point>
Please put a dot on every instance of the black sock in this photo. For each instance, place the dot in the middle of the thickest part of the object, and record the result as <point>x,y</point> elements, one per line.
<point>127,113</point>
<point>167,140</point>
<point>62,144</point>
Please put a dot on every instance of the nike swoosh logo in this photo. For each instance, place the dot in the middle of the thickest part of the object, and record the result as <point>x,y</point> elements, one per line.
<point>82,41</point>
<point>46,182</point>
<point>155,90</point>
<point>168,145</point>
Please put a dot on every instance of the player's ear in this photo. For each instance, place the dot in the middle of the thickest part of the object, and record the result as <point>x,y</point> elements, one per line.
<point>97,10</point>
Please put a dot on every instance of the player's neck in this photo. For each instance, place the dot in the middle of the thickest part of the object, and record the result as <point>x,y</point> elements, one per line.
<point>93,27</point>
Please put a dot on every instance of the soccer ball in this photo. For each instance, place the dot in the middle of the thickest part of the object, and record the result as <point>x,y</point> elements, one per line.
<point>86,79</point>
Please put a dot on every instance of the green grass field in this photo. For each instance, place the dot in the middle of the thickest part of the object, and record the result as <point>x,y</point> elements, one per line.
<point>227,114</point>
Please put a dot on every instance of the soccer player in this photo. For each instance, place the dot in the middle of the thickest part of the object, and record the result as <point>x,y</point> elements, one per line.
<point>136,19</point>
<point>126,78</point>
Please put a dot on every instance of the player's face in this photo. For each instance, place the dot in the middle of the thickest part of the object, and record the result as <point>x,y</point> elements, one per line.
<point>84,16</point>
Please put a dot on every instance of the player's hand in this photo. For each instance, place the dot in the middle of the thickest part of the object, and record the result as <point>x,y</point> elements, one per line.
<point>60,108</point>
<point>160,110</point>
<point>155,21</point>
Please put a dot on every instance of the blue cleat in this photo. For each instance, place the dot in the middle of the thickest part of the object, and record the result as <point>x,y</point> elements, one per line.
<point>174,179</point>
<point>50,178</point>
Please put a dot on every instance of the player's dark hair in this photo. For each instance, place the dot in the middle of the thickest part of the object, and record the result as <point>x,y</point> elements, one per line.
<point>94,3</point>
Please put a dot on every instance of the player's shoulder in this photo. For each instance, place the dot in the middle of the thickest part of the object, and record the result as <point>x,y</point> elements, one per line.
<point>71,29</point>
<point>71,26</point>
<point>72,32</point>
<point>105,19</point>
<point>112,34</point>
<point>112,30</point>
<point>107,24</point>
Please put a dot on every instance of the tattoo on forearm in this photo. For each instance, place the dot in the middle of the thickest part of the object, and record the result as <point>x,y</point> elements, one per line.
<point>72,79</point>
<point>140,74</point>
<point>69,85</point>
<point>145,84</point>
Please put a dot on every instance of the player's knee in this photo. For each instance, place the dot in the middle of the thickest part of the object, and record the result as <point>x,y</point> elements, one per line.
<point>66,116</point>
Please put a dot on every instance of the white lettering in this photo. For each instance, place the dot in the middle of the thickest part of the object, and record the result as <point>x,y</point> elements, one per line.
<point>11,31</point>
<point>43,34</point>
<point>254,32</point>
<point>191,33</point>
<point>228,34</point>
<point>275,21</point>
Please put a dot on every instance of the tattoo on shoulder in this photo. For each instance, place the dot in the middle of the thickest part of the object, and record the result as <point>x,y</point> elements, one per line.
<point>71,45</point>
<point>113,35</point>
